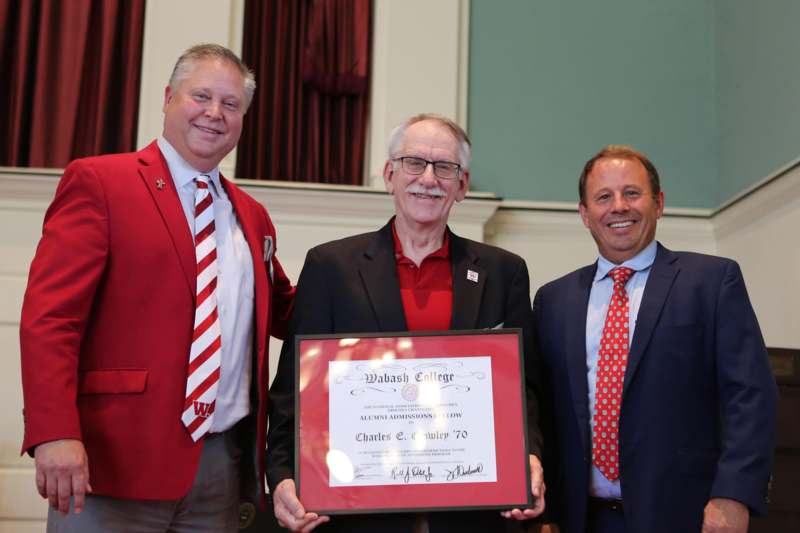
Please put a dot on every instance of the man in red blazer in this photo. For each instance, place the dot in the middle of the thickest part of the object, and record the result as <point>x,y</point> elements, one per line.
<point>112,315</point>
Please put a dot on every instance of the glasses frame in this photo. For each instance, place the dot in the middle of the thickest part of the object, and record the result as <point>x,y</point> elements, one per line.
<point>403,158</point>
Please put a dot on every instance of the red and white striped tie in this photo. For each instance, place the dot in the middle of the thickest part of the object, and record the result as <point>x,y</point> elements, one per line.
<point>202,377</point>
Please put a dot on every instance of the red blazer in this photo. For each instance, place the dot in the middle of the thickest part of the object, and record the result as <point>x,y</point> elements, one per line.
<point>107,324</point>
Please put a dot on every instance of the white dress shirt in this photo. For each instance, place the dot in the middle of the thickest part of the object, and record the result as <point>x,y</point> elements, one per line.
<point>235,289</point>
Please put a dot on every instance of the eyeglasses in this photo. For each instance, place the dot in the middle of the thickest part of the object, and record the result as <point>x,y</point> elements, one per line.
<point>441,169</point>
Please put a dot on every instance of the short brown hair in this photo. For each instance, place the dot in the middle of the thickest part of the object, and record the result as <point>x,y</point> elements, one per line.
<point>619,151</point>
<point>199,52</point>
<point>464,144</point>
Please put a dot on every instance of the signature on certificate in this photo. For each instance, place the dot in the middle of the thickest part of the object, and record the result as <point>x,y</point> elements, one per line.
<point>463,471</point>
<point>407,473</point>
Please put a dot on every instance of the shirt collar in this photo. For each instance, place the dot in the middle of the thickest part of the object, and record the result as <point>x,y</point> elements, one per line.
<point>182,172</point>
<point>443,251</point>
<point>641,261</point>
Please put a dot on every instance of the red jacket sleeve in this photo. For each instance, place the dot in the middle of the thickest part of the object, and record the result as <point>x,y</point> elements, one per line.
<point>282,301</point>
<point>65,272</point>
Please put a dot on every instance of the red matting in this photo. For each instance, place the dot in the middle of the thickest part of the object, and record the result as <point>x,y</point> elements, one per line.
<point>512,488</point>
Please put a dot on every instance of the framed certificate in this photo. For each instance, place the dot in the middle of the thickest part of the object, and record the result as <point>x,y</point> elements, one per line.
<point>407,422</point>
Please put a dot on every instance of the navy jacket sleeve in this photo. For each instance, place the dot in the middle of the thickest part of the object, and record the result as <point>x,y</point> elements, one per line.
<point>748,397</point>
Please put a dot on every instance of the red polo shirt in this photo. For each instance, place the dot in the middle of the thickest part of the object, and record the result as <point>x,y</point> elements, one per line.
<point>427,290</point>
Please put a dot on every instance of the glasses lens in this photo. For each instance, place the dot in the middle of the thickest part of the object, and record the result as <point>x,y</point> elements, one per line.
<point>445,170</point>
<point>414,165</point>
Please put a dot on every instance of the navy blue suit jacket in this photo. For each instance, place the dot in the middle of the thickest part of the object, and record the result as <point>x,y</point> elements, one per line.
<point>698,408</point>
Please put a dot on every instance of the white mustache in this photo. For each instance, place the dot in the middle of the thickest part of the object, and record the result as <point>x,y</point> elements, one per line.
<point>416,188</point>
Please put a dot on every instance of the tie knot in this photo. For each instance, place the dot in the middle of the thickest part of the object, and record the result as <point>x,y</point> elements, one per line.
<point>621,274</point>
<point>202,181</point>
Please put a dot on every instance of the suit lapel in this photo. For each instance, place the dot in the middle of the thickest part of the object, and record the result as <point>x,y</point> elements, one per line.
<point>576,302</point>
<point>468,282</point>
<point>659,283</point>
<point>155,174</point>
<point>378,271</point>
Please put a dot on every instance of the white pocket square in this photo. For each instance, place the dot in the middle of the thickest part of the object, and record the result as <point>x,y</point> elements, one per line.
<point>268,252</point>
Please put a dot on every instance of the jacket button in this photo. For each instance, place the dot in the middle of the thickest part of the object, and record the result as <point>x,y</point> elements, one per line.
<point>247,514</point>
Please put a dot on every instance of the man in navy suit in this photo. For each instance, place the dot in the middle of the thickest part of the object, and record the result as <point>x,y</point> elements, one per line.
<point>672,431</point>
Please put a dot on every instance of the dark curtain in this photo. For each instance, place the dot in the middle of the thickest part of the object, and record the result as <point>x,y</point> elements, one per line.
<point>70,79</point>
<point>308,119</point>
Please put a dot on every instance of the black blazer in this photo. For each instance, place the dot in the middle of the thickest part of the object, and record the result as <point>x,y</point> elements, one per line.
<point>698,407</point>
<point>351,285</point>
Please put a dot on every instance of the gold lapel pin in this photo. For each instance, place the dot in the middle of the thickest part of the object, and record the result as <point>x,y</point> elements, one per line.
<point>160,184</point>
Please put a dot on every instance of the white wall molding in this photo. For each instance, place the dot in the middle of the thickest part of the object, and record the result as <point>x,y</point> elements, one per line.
<point>344,202</point>
<point>572,207</point>
<point>550,236</point>
<point>19,187</point>
<point>778,193</point>
<point>553,241</point>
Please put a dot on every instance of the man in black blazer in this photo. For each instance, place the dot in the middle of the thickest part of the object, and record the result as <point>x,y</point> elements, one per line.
<point>672,431</point>
<point>413,274</point>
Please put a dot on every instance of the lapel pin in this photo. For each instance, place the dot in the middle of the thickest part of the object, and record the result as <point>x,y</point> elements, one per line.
<point>472,276</point>
<point>160,184</point>
<point>267,247</point>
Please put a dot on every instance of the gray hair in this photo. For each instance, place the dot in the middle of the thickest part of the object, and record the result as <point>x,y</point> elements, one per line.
<point>464,144</point>
<point>199,52</point>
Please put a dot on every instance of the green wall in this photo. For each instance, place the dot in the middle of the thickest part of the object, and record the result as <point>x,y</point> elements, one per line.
<point>709,89</point>
<point>758,80</point>
<point>553,81</point>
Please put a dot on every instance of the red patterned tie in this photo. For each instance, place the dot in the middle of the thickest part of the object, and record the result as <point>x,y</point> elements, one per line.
<point>611,361</point>
<point>204,358</point>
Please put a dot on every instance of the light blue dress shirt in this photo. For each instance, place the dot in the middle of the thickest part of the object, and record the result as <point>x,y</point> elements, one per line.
<point>599,298</point>
<point>235,289</point>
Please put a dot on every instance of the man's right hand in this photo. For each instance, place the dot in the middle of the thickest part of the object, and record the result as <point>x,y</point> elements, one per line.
<point>62,471</point>
<point>290,512</point>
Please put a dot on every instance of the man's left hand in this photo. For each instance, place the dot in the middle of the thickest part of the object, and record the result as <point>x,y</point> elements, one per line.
<point>537,489</point>
<point>723,515</point>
